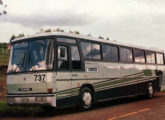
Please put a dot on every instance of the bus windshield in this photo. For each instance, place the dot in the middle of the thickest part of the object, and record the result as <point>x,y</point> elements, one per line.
<point>31,56</point>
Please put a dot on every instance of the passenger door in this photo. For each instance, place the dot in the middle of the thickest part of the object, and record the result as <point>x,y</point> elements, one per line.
<point>63,76</point>
<point>77,67</point>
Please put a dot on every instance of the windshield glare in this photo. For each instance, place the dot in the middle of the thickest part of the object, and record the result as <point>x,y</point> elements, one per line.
<point>31,56</point>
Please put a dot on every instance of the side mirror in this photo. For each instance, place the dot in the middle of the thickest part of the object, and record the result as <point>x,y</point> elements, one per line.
<point>62,52</point>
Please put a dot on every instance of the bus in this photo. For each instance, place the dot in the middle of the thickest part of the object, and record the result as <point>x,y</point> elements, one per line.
<point>62,69</point>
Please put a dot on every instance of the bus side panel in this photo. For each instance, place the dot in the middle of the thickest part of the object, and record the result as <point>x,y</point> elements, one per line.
<point>162,80</point>
<point>127,69</point>
<point>118,92</point>
<point>111,70</point>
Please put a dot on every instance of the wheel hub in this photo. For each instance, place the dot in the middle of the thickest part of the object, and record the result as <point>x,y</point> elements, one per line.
<point>150,90</point>
<point>87,98</point>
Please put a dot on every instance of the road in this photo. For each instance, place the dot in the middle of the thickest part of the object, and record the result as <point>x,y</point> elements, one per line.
<point>137,108</point>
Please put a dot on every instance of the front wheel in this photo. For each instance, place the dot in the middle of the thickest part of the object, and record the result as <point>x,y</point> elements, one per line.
<point>150,90</point>
<point>85,98</point>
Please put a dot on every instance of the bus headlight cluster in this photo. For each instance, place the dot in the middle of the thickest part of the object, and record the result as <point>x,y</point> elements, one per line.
<point>41,99</point>
<point>10,100</point>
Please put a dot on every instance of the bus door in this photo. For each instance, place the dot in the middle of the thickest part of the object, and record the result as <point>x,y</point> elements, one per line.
<point>63,75</point>
<point>77,67</point>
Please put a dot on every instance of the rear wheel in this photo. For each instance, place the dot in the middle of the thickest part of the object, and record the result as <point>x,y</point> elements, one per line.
<point>150,90</point>
<point>85,98</point>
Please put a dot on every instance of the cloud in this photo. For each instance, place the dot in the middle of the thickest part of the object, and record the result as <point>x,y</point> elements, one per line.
<point>64,18</point>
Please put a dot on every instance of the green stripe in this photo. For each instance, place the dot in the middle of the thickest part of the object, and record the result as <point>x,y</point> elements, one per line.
<point>68,92</point>
<point>116,82</point>
<point>147,72</point>
<point>126,83</point>
<point>108,83</point>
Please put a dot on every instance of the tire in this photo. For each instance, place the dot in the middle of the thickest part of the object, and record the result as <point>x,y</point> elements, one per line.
<point>86,98</point>
<point>150,90</point>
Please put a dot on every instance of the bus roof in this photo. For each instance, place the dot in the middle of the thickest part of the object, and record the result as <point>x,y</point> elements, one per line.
<point>47,34</point>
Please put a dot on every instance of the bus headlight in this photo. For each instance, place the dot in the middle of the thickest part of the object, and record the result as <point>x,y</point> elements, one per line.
<point>10,100</point>
<point>41,99</point>
<point>49,90</point>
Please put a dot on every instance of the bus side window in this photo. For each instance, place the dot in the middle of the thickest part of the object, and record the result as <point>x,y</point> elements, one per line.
<point>76,62</point>
<point>150,57</point>
<point>63,61</point>
<point>159,58</point>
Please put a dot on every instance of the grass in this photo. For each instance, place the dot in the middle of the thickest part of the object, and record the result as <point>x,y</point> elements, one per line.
<point>163,90</point>
<point>4,58</point>
<point>13,110</point>
<point>5,109</point>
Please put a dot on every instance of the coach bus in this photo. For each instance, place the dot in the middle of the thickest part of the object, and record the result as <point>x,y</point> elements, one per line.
<point>64,69</point>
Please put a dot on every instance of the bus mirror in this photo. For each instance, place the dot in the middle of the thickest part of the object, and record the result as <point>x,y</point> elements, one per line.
<point>62,52</point>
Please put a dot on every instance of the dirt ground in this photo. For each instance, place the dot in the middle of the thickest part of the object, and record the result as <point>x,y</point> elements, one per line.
<point>137,108</point>
<point>3,90</point>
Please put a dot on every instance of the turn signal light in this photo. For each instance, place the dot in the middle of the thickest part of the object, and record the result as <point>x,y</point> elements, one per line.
<point>49,90</point>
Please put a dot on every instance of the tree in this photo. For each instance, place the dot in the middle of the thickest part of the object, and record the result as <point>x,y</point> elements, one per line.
<point>107,38</point>
<point>3,12</point>
<point>76,32</point>
<point>12,38</point>
<point>21,35</point>
<point>100,37</point>
<point>48,30</point>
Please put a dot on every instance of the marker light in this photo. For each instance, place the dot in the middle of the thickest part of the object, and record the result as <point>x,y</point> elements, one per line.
<point>49,90</point>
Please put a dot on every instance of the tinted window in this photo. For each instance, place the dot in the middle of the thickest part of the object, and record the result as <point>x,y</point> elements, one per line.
<point>110,53</point>
<point>129,55</point>
<point>19,53</point>
<point>150,57</point>
<point>86,49</point>
<point>91,50</point>
<point>96,54</point>
<point>159,58</point>
<point>63,62</point>
<point>139,56</point>
<point>76,63</point>
<point>126,54</point>
<point>18,57</point>
<point>123,54</point>
<point>66,40</point>
<point>39,55</point>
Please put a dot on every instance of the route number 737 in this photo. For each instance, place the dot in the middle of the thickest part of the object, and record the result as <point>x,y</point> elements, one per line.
<point>40,78</point>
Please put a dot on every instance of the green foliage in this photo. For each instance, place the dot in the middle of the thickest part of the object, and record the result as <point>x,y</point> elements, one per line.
<point>4,54</point>
<point>4,108</point>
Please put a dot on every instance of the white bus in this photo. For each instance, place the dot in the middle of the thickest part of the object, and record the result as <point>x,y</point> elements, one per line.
<point>64,69</point>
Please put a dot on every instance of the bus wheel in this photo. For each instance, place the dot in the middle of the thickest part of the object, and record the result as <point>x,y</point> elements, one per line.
<point>85,98</point>
<point>150,90</point>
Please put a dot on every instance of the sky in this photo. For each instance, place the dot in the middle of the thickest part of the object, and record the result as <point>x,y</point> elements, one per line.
<point>139,22</point>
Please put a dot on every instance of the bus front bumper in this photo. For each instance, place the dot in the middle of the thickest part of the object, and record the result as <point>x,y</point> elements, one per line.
<point>32,99</point>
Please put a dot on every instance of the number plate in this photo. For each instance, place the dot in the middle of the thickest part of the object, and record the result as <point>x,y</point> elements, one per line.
<point>24,100</point>
<point>40,78</point>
